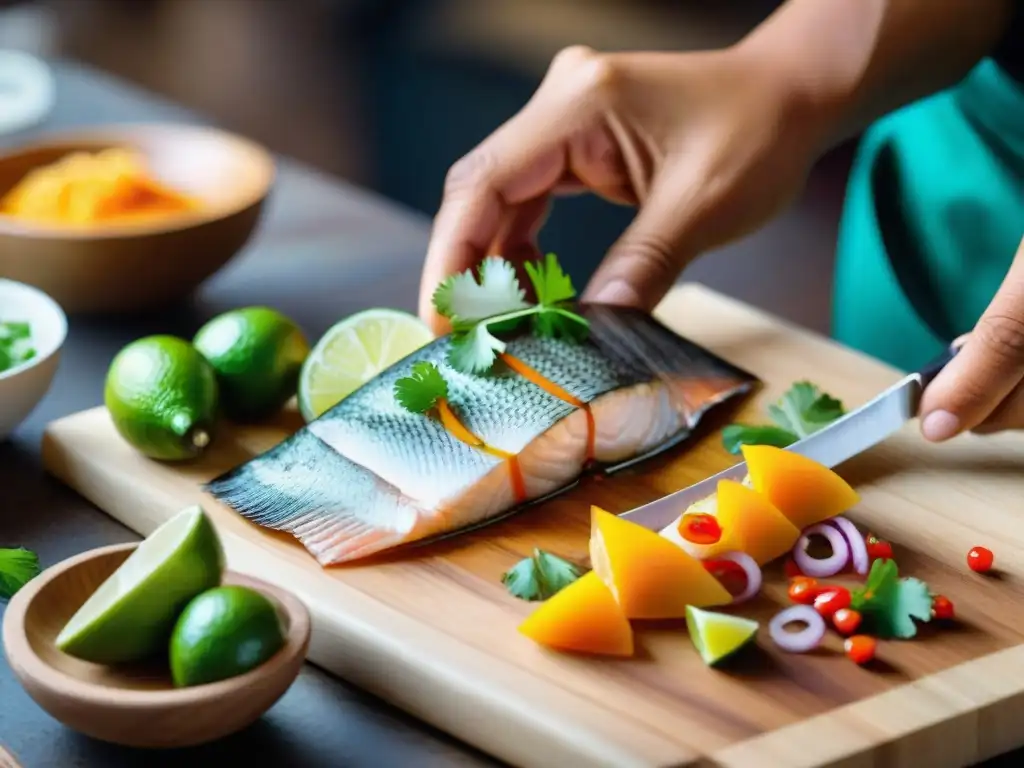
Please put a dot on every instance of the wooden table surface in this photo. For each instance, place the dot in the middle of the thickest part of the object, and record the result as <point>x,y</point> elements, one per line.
<point>324,250</point>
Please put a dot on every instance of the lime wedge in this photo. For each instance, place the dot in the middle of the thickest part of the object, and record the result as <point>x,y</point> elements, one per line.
<point>717,636</point>
<point>352,352</point>
<point>130,616</point>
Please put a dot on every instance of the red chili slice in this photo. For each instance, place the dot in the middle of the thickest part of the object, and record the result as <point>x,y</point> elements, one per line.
<point>700,528</point>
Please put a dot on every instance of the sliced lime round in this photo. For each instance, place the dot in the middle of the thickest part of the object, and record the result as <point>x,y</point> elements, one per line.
<point>352,352</point>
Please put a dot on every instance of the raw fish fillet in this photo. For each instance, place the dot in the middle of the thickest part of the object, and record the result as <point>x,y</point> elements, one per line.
<point>369,475</point>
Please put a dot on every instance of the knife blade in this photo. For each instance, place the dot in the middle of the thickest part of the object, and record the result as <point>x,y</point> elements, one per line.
<point>843,439</point>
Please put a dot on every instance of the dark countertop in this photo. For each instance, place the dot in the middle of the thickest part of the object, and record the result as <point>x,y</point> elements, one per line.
<point>324,249</point>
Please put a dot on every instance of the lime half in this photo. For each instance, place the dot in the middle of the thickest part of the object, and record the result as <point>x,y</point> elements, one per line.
<point>130,616</point>
<point>717,636</point>
<point>352,352</point>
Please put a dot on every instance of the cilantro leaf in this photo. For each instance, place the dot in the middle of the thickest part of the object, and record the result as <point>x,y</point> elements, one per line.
<point>462,299</point>
<point>474,351</point>
<point>540,576</point>
<point>736,435</point>
<point>420,390</point>
<point>17,568</point>
<point>550,283</point>
<point>556,323</point>
<point>553,288</point>
<point>554,571</point>
<point>890,603</point>
<point>801,411</point>
<point>804,409</point>
<point>523,581</point>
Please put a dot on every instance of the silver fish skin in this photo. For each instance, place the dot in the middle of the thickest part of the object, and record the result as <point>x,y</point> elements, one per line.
<point>368,475</point>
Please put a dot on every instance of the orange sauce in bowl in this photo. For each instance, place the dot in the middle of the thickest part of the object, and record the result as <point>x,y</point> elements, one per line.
<point>82,188</point>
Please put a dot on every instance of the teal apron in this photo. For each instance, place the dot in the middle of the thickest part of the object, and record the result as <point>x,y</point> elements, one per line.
<point>933,216</point>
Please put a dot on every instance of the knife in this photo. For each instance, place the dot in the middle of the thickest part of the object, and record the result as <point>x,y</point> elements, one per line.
<point>844,438</point>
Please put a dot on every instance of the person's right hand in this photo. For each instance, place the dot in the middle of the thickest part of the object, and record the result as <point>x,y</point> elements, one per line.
<point>709,145</point>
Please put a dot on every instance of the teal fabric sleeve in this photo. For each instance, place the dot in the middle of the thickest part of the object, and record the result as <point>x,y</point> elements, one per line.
<point>934,213</point>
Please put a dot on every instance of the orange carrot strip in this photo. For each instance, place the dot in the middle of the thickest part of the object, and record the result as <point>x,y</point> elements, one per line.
<point>458,430</point>
<point>547,385</point>
<point>554,390</point>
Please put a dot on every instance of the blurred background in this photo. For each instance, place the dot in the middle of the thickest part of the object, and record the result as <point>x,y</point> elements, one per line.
<point>388,93</point>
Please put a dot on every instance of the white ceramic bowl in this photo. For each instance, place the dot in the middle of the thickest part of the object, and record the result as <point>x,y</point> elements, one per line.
<point>23,386</point>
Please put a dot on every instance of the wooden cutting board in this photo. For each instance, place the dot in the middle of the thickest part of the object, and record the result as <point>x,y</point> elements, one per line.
<point>435,632</point>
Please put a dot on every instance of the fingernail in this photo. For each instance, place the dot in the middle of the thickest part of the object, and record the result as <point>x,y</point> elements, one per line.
<point>940,425</point>
<point>616,292</point>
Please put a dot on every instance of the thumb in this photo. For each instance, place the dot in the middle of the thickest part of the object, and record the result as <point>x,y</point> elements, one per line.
<point>640,268</point>
<point>987,369</point>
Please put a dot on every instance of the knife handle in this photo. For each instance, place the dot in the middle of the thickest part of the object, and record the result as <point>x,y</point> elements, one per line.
<point>933,368</point>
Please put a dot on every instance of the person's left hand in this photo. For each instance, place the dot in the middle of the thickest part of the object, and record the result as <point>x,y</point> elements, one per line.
<point>982,389</point>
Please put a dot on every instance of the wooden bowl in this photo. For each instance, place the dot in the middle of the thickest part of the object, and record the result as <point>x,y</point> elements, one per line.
<point>128,267</point>
<point>137,706</point>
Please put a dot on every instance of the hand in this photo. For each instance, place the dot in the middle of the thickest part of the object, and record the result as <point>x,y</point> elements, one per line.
<point>982,388</point>
<point>709,145</point>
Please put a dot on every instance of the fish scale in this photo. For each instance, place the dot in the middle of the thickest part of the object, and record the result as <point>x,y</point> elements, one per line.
<point>369,475</point>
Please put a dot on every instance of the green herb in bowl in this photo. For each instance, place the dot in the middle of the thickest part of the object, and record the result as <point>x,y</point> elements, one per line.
<point>16,345</point>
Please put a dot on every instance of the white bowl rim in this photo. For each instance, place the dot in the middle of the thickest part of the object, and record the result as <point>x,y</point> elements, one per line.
<point>51,306</point>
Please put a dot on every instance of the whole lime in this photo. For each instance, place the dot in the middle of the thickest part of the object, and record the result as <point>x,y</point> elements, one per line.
<point>224,632</point>
<point>257,353</point>
<point>162,396</point>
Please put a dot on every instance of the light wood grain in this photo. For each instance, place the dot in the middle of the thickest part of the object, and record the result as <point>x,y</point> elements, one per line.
<point>137,705</point>
<point>434,631</point>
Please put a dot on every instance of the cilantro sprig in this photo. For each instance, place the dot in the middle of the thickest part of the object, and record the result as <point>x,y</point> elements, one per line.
<point>890,603</point>
<point>801,411</point>
<point>492,301</point>
<point>540,576</point>
<point>17,568</point>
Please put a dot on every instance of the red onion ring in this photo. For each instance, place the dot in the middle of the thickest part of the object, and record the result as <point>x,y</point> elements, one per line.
<point>750,570</point>
<point>797,642</point>
<point>829,566</point>
<point>858,547</point>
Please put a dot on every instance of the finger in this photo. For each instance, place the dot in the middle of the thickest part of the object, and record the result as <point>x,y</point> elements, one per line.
<point>519,162</point>
<point>1009,414</point>
<point>642,265</point>
<point>517,237</point>
<point>597,160</point>
<point>989,366</point>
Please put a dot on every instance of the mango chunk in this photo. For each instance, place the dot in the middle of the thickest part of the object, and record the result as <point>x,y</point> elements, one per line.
<point>803,490</point>
<point>582,617</point>
<point>650,576</point>
<point>760,529</point>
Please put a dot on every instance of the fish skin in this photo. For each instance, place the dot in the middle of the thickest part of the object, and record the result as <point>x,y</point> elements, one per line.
<point>368,475</point>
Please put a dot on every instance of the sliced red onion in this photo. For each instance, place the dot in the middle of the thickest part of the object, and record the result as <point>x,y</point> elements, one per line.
<point>858,547</point>
<point>829,566</point>
<point>797,642</point>
<point>750,569</point>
